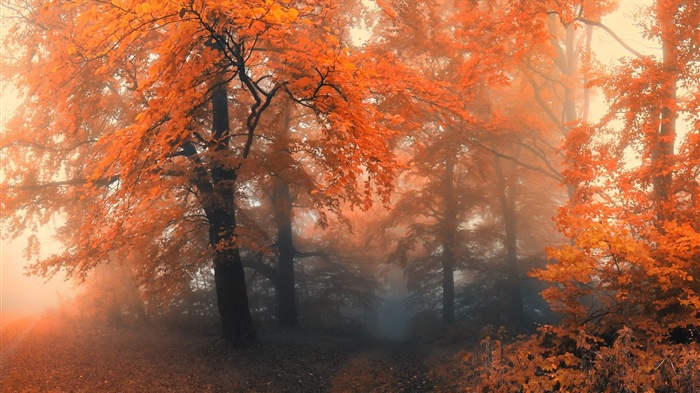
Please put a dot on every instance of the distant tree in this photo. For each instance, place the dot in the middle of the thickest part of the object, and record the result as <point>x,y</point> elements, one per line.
<point>477,48</point>
<point>633,221</point>
<point>627,281</point>
<point>436,222</point>
<point>111,295</point>
<point>282,180</point>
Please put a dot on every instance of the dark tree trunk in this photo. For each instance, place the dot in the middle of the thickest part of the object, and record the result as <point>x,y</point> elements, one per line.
<point>448,257</point>
<point>282,205</point>
<point>232,296</point>
<point>507,195</point>
<point>448,287</point>
<point>286,292</point>
<point>220,206</point>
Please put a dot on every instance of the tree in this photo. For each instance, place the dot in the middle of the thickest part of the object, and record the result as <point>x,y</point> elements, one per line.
<point>285,179</point>
<point>282,205</point>
<point>337,276</point>
<point>482,49</point>
<point>633,222</point>
<point>627,282</point>
<point>435,222</point>
<point>144,110</point>
<point>432,202</point>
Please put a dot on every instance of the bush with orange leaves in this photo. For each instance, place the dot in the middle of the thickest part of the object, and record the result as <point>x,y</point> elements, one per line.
<point>557,359</point>
<point>627,288</point>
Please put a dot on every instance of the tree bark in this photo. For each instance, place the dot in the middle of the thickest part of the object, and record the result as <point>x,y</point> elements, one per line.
<point>218,200</point>
<point>663,148</point>
<point>448,256</point>
<point>286,292</point>
<point>232,296</point>
<point>507,195</point>
<point>282,206</point>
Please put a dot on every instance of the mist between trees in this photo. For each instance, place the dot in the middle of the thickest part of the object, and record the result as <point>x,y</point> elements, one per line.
<point>250,164</point>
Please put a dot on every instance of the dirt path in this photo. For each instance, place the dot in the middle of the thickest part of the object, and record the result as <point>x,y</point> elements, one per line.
<point>55,356</point>
<point>12,335</point>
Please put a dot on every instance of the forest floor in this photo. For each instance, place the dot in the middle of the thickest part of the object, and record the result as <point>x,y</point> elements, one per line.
<point>50,354</point>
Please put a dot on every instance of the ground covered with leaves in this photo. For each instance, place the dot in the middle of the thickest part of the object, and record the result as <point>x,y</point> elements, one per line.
<point>49,354</point>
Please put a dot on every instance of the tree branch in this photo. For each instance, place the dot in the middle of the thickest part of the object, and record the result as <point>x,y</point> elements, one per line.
<point>62,183</point>
<point>612,34</point>
<point>545,107</point>
<point>555,176</point>
<point>266,270</point>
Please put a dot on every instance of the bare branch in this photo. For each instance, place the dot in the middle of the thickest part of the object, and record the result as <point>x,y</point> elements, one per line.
<point>106,181</point>
<point>612,34</point>
<point>545,107</point>
<point>552,175</point>
<point>39,146</point>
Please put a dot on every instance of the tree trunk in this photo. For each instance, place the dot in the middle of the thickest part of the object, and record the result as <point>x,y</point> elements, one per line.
<point>566,60</point>
<point>232,296</point>
<point>663,148</point>
<point>448,287</point>
<point>286,292</point>
<point>448,257</point>
<point>218,200</point>
<point>282,206</point>
<point>507,195</point>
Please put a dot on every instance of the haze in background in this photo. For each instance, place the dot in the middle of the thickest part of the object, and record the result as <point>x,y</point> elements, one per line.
<point>609,52</point>
<point>21,295</point>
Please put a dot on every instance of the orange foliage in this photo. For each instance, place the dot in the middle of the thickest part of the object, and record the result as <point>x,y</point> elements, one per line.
<point>635,238</point>
<point>572,360</point>
<point>117,91</point>
<point>627,283</point>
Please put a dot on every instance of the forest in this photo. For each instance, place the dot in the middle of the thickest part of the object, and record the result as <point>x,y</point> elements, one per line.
<point>358,176</point>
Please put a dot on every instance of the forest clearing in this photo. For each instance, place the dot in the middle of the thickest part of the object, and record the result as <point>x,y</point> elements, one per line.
<point>51,354</point>
<point>353,195</point>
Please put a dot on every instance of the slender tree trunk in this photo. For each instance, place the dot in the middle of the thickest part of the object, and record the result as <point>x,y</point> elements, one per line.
<point>282,205</point>
<point>448,256</point>
<point>286,292</point>
<point>663,118</point>
<point>507,195</point>
<point>448,287</point>
<point>663,149</point>
<point>566,61</point>
<point>220,206</point>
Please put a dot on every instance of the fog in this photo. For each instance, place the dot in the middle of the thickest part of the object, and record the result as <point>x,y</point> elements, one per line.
<point>393,312</point>
<point>22,294</point>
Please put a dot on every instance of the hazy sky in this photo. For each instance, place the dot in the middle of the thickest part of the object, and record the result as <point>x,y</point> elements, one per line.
<point>19,292</point>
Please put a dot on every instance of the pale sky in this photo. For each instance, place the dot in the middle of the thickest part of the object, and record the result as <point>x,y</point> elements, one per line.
<point>608,51</point>
<point>19,293</point>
